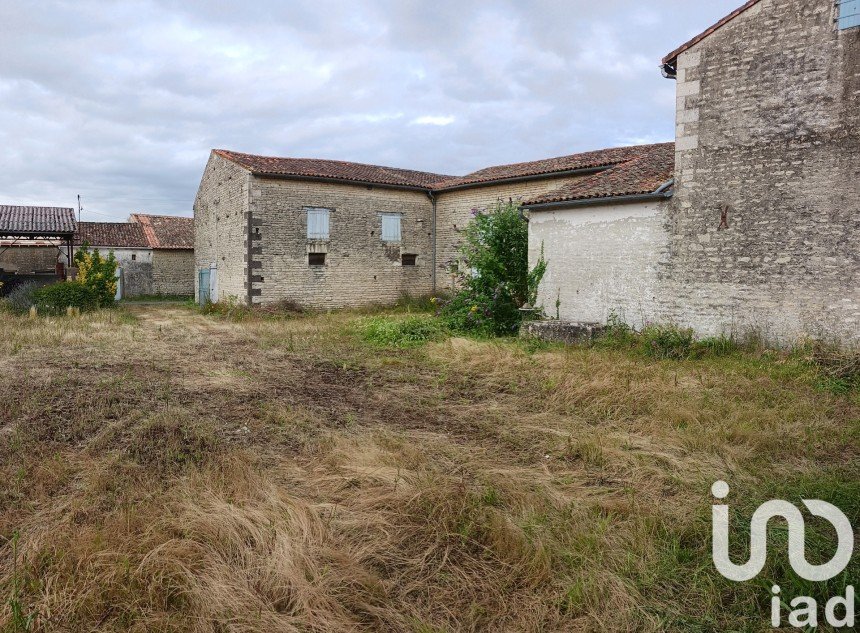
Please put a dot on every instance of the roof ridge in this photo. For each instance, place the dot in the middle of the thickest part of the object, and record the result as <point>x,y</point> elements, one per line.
<point>160,215</point>
<point>590,151</point>
<point>327,160</point>
<point>338,170</point>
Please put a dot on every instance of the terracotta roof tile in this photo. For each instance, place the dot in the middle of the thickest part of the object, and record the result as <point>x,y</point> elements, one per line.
<point>166,231</point>
<point>335,169</point>
<point>671,57</point>
<point>36,220</point>
<point>111,234</point>
<point>647,169</point>
<point>314,168</point>
<point>583,160</point>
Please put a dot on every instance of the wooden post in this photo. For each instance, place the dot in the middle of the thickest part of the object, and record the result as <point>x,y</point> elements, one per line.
<point>33,312</point>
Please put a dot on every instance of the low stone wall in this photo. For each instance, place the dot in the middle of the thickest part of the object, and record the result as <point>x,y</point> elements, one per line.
<point>561,331</point>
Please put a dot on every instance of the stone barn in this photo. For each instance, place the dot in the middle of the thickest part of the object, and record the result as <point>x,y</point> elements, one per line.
<point>328,234</point>
<point>171,242</point>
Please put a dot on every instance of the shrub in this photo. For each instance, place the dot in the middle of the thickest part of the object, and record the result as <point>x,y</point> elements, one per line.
<point>497,281</point>
<point>839,368</point>
<point>409,332</point>
<point>667,341</point>
<point>20,298</point>
<point>56,298</point>
<point>229,308</point>
<point>97,273</point>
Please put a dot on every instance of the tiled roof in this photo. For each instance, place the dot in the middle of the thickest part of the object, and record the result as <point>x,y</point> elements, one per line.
<point>403,177</point>
<point>113,234</point>
<point>671,57</point>
<point>584,160</point>
<point>166,231</point>
<point>36,220</point>
<point>334,169</point>
<point>647,169</point>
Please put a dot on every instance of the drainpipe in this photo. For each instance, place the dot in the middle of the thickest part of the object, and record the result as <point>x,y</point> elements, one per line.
<point>432,240</point>
<point>670,71</point>
<point>250,257</point>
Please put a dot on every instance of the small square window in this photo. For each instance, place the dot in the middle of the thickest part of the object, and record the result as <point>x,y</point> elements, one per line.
<point>316,259</point>
<point>133,256</point>
<point>408,259</point>
<point>390,227</point>
<point>318,223</point>
<point>849,13</point>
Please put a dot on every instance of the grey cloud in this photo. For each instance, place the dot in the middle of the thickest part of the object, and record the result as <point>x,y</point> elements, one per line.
<point>122,101</point>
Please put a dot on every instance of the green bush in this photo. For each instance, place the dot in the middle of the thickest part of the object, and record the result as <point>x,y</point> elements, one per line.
<point>98,274</point>
<point>667,341</point>
<point>56,298</point>
<point>20,298</point>
<point>496,281</point>
<point>408,332</point>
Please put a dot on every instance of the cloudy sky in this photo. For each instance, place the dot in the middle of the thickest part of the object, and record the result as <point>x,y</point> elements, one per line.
<point>121,102</point>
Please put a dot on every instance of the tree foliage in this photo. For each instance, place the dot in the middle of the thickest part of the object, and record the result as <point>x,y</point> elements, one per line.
<point>98,274</point>
<point>495,281</point>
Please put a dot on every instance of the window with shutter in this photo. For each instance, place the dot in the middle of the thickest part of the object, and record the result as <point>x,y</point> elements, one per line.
<point>849,13</point>
<point>390,227</point>
<point>318,223</point>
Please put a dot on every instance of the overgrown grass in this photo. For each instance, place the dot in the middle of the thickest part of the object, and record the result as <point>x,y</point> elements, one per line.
<point>409,331</point>
<point>154,298</point>
<point>177,471</point>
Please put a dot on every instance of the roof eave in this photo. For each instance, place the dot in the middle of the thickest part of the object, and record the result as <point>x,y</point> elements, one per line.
<point>342,181</point>
<point>30,235</point>
<point>590,202</point>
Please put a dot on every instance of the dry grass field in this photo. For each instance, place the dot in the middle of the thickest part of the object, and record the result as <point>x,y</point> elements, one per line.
<point>165,470</point>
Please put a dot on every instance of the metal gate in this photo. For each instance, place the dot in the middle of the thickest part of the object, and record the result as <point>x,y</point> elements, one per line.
<point>120,291</point>
<point>203,286</point>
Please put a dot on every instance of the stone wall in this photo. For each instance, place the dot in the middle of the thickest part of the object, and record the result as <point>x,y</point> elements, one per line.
<point>173,272</point>
<point>27,259</point>
<point>220,223</point>
<point>454,212</point>
<point>765,219</point>
<point>601,259</point>
<point>136,264</point>
<point>359,269</point>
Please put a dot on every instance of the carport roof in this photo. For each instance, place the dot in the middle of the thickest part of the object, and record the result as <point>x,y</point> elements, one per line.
<point>23,221</point>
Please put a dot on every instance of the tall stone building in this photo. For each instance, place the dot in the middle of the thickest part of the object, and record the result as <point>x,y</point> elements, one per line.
<point>764,224</point>
<point>762,230</point>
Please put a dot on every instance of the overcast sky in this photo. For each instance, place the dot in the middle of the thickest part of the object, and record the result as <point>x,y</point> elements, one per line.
<point>122,101</point>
